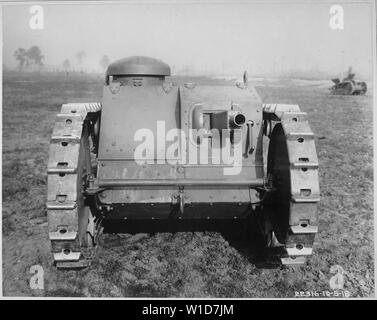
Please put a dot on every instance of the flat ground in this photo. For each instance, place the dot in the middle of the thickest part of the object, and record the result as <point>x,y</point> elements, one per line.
<point>187,264</point>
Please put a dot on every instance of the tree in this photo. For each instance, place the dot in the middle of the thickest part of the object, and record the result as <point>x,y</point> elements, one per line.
<point>66,66</point>
<point>34,55</point>
<point>21,57</point>
<point>104,62</point>
<point>80,56</point>
<point>26,57</point>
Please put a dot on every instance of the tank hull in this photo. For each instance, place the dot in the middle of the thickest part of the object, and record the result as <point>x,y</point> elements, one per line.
<point>155,180</point>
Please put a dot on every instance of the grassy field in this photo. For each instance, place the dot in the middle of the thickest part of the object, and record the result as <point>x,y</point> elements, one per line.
<point>187,264</point>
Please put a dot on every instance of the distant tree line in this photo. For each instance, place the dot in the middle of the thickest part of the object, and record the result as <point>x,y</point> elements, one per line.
<point>80,57</point>
<point>104,62</point>
<point>29,57</point>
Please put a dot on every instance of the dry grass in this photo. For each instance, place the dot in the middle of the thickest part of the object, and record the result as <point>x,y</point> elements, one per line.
<point>187,264</point>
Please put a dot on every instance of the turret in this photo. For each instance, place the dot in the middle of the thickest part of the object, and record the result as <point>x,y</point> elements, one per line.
<point>137,71</point>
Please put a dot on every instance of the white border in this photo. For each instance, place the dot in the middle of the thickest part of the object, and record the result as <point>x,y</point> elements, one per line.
<point>373,5</point>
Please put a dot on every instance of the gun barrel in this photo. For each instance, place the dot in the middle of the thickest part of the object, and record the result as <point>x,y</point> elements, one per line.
<point>227,120</point>
<point>236,119</point>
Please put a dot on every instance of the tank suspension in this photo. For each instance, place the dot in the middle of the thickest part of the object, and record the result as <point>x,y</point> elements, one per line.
<point>70,221</point>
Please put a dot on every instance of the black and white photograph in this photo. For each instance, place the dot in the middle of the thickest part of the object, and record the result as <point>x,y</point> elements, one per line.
<point>188,149</point>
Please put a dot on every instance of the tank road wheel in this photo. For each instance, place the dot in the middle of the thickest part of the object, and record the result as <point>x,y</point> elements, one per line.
<point>70,220</point>
<point>293,196</point>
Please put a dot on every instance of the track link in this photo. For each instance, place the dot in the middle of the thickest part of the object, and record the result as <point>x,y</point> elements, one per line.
<point>69,161</point>
<point>297,201</point>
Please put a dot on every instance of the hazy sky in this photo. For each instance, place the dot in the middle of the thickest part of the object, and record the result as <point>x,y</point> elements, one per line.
<point>218,38</point>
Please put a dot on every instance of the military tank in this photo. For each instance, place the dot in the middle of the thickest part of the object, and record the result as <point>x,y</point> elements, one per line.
<point>155,150</point>
<point>348,86</point>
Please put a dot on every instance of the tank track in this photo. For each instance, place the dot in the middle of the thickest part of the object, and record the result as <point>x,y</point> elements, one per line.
<point>293,141</point>
<point>68,166</point>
